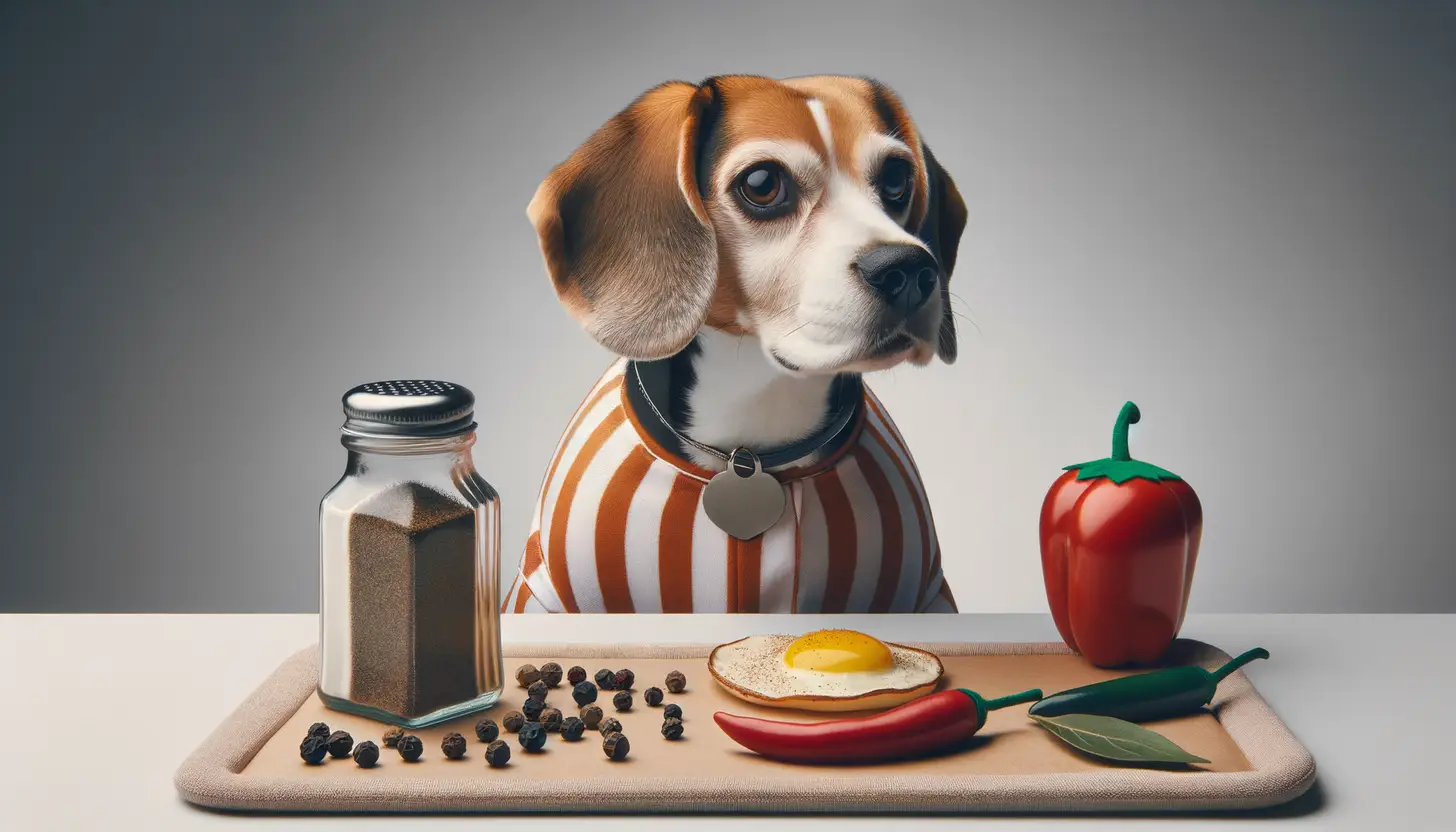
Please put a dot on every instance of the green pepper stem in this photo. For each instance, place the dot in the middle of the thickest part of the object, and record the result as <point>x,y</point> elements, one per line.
<point>1129,416</point>
<point>1014,699</point>
<point>1236,663</point>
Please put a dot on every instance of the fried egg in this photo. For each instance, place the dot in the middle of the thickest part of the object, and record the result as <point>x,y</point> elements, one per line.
<point>826,670</point>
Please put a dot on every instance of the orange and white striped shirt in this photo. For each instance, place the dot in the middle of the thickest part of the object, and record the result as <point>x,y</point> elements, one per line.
<point>620,528</point>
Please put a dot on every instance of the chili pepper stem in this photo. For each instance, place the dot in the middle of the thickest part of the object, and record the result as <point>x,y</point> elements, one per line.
<point>1238,662</point>
<point>1014,699</point>
<point>1005,701</point>
<point>1129,416</point>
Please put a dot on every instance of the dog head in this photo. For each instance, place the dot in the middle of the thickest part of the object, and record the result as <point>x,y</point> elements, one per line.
<point>807,212</point>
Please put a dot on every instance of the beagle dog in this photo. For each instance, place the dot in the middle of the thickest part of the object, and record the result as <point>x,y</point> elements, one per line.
<point>749,247</point>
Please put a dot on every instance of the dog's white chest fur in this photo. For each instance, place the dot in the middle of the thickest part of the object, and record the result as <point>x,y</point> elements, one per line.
<point>742,401</point>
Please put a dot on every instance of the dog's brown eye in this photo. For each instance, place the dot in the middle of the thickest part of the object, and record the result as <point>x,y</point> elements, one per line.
<point>765,190</point>
<point>761,186</point>
<point>896,182</point>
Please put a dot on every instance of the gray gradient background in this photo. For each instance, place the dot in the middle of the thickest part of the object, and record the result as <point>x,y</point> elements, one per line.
<point>216,217</point>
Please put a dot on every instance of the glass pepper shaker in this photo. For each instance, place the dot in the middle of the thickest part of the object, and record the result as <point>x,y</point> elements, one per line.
<point>409,561</point>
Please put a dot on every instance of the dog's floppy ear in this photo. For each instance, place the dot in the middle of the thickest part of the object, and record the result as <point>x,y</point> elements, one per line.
<point>945,219</point>
<point>626,237</point>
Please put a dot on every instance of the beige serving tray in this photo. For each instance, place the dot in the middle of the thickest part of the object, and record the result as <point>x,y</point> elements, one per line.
<point>251,761</point>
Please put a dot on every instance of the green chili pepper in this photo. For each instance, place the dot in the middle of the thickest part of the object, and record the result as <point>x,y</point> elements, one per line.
<point>1146,696</point>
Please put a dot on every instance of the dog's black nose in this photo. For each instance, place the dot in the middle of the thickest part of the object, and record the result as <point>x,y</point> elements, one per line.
<point>903,275</point>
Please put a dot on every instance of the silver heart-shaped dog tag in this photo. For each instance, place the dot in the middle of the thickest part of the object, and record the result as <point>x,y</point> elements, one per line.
<point>744,501</point>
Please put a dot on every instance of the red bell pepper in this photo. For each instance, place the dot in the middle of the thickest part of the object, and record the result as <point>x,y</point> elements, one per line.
<point>1119,539</point>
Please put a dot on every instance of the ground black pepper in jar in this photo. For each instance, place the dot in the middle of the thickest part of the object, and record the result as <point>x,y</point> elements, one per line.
<point>409,548</point>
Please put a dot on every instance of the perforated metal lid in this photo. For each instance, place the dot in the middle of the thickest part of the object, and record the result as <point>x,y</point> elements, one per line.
<point>409,408</point>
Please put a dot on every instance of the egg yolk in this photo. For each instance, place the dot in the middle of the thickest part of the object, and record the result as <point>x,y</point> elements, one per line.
<point>838,651</point>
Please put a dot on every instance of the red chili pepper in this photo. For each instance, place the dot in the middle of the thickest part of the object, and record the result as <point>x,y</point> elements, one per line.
<point>918,727</point>
<point>1119,540</point>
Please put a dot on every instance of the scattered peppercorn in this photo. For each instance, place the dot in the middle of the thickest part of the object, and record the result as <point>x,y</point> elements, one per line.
<point>340,744</point>
<point>537,690</point>
<point>675,682</point>
<point>609,725</point>
<point>616,746</point>
<point>410,748</point>
<point>497,754</point>
<point>624,679</point>
<point>584,693</point>
<point>576,675</point>
<point>366,754</point>
<point>513,721</point>
<point>313,749</point>
<point>672,728</point>
<point>606,679</point>
<point>652,696</point>
<point>551,674</point>
<point>592,716</point>
<point>551,719</point>
<point>526,674</point>
<point>622,701</point>
<point>571,729</point>
<point>673,711</point>
<point>391,737</point>
<point>532,736</point>
<point>532,708</point>
<point>319,729</point>
<point>486,730</point>
<point>453,745</point>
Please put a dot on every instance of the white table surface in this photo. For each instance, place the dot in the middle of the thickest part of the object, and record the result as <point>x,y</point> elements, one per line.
<point>1373,697</point>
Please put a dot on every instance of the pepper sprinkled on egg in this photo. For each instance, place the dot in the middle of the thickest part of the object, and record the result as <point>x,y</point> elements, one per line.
<point>826,670</point>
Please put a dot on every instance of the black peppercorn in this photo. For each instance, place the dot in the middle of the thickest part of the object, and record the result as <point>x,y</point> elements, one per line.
<point>609,725</point>
<point>319,729</point>
<point>675,682</point>
<point>391,737</point>
<point>313,749</point>
<point>551,719</point>
<point>616,747</point>
<point>486,730</point>
<point>453,745</point>
<point>571,729</point>
<point>340,744</point>
<point>526,674</point>
<point>532,736</point>
<point>606,679</point>
<point>623,679</point>
<point>551,674</point>
<point>622,701</point>
<point>672,728</point>
<point>537,690</point>
<point>673,711</point>
<point>584,693</point>
<point>497,754</point>
<point>576,675</point>
<point>410,748</point>
<point>592,716</point>
<point>532,708</point>
<point>366,754</point>
<point>652,696</point>
<point>513,721</point>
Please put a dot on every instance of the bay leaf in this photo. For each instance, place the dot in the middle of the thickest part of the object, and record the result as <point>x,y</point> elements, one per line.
<point>1115,739</point>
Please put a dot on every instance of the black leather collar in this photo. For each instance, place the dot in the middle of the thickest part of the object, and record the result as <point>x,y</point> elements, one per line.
<point>846,398</point>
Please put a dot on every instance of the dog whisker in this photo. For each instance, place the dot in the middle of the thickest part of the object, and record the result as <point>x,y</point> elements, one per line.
<point>796,329</point>
<point>963,315</point>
